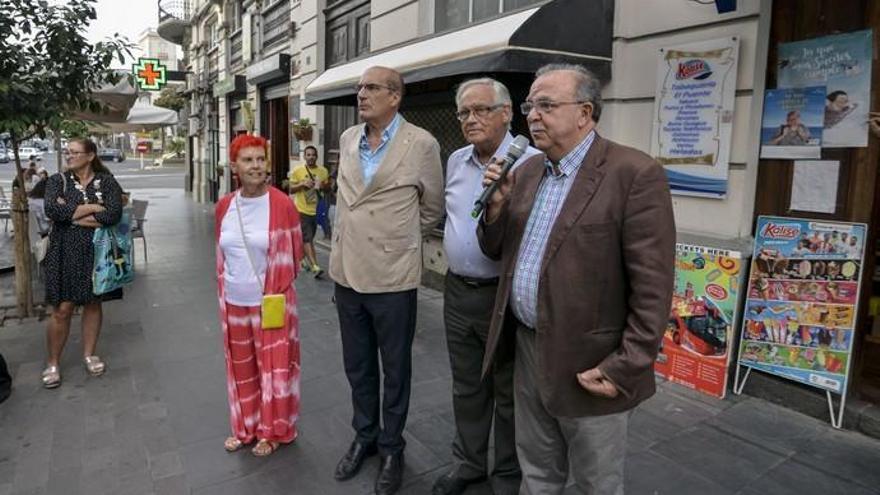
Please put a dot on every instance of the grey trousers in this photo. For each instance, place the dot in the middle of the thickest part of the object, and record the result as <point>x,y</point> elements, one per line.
<point>467,312</point>
<point>554,451</point>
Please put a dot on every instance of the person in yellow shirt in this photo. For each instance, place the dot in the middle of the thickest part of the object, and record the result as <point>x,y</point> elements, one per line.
<point>308,183</point>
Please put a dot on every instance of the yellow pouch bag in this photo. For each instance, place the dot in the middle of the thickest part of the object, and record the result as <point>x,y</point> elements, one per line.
<point>272,307</point>
<point>273,311</point>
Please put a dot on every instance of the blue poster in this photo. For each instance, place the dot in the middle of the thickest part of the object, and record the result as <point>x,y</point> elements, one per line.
<point>792,123</point>
<point>799,318</point>
<point>842,64</point>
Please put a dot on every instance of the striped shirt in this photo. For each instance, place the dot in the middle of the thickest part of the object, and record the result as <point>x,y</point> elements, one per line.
<point>554,188</point>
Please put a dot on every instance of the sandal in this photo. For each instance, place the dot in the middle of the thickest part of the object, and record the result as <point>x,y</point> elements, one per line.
<point>51,376</point>
<point>264,448</point>
<point>232,444</point>
<point>94,365</point>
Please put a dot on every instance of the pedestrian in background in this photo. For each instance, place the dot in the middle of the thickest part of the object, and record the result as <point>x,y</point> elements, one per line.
<point>484,110</point>
<point>308,183</point>
<point>586,239</point>
<point>83,198</point>
<point>390,195</point>
<point>37,205</point>
<point>259,246</point>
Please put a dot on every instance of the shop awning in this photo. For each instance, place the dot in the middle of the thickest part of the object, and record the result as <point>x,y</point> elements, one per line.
<point>116,98</point>
<point>141,117</point>
<point>572,31</point>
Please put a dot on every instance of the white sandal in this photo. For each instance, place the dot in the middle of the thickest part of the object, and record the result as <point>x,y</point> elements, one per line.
<point>94,365</point>
<point>51,376</point>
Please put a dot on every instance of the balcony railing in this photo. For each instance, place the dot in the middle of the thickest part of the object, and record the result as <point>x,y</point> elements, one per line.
<point>276,24</point>
<point>235,49</point>
<point>174,16</point>
<point>174,9</point>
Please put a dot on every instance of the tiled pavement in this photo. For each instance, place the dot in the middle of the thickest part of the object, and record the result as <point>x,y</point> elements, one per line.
<point>156,421</point>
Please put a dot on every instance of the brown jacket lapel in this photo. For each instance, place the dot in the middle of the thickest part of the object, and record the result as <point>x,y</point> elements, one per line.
<point>582,191</point>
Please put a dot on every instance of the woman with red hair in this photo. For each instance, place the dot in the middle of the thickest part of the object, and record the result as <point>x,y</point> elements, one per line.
<point>259,247</point>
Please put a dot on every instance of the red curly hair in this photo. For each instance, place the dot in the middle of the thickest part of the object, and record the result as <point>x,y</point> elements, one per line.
<point>245,141</point>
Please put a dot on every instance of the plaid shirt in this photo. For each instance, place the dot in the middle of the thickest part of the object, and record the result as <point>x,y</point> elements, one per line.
<point>552,192</point>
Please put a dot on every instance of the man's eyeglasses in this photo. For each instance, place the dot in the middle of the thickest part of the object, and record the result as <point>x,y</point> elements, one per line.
<point>545,106</point>
<point>372,88</point>
<point>480,112</point>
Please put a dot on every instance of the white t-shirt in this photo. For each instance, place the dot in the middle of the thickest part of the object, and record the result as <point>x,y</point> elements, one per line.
<point>243,288</point>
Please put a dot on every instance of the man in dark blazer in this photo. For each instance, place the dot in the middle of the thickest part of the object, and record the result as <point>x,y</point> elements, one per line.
<point>586,240</point>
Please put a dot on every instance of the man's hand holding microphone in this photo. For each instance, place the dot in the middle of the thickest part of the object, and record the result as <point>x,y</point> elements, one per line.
<point>498,182</point>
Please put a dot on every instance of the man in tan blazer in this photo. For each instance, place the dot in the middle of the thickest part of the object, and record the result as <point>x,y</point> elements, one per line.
<point>390,194</point>
<point>586,240</point>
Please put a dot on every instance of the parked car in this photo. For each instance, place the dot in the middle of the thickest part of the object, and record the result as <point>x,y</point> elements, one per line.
<point>30,154</point>
<point>111,154</point>
<point>4,158</point>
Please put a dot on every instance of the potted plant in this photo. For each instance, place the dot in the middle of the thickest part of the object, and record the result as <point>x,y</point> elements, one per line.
<point>302,129</point>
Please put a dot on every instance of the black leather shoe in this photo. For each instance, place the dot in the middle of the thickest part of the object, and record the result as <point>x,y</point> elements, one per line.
<point>351,462</point>
<point>452,484</point>
<point>390,474</point>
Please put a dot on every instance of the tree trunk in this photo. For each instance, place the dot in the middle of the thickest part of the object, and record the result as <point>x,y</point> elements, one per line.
<point>23,290</point>
<point>162,133</point>
<point>58,153</point>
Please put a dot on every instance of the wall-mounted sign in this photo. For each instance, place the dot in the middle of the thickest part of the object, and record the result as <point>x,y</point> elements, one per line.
<point>693,115</point>
<point>151,75</point>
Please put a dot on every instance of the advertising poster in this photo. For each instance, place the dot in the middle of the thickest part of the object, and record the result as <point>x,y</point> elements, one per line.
<point>693,115</point>
<point>792,123</point>
<point>842,64</point>
<point>802,300</point>
<point>696,347</point>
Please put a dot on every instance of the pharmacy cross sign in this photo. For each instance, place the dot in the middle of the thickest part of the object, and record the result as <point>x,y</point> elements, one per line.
<point>150,74</point>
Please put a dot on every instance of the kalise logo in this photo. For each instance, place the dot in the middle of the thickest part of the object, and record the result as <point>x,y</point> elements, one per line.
<point>693,69</point>
<point>784,231</point>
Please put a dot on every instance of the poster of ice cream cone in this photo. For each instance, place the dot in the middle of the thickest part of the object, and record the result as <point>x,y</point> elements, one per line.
<point>802,300</point>
<point>695,350</point>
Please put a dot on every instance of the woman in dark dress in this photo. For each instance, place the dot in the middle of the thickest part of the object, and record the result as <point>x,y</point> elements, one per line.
<point>83,198</point>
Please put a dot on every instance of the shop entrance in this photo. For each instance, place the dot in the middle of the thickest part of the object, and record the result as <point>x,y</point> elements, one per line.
<point>857,198</point>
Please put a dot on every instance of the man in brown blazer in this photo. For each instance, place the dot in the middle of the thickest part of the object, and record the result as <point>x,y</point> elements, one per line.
<point>586,239</point>
<point>390,194</point>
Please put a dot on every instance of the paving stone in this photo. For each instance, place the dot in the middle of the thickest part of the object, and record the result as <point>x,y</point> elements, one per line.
<point>795,478</point>
<point>846,454</point>
<point>730,462</point>
<point>651,473</point>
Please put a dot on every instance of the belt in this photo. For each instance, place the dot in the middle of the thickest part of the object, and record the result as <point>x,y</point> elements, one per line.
<point>475,282</point>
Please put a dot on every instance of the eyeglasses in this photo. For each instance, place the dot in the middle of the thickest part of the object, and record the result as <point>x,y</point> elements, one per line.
<point>372,88</point>
<point>545,106</point>
<point>480,112</point>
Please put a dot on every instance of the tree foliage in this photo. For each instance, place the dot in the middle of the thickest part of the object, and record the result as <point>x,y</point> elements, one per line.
<point>47,66</point>
<point>47,69</point>
<point>171,99</point>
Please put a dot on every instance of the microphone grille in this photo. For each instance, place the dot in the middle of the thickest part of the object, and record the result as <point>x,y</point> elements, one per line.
<point>518,146</point>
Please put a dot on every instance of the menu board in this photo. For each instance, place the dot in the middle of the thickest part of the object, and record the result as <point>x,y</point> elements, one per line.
<point>802,300</point>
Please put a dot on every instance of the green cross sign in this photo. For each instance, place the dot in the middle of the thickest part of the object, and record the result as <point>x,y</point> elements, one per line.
<point>150,74</point>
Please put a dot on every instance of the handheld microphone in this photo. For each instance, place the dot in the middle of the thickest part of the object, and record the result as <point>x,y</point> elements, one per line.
<point>514,151</point>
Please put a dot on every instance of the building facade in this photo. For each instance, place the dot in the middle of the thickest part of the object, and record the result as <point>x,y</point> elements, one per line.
<point>436,44</point>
